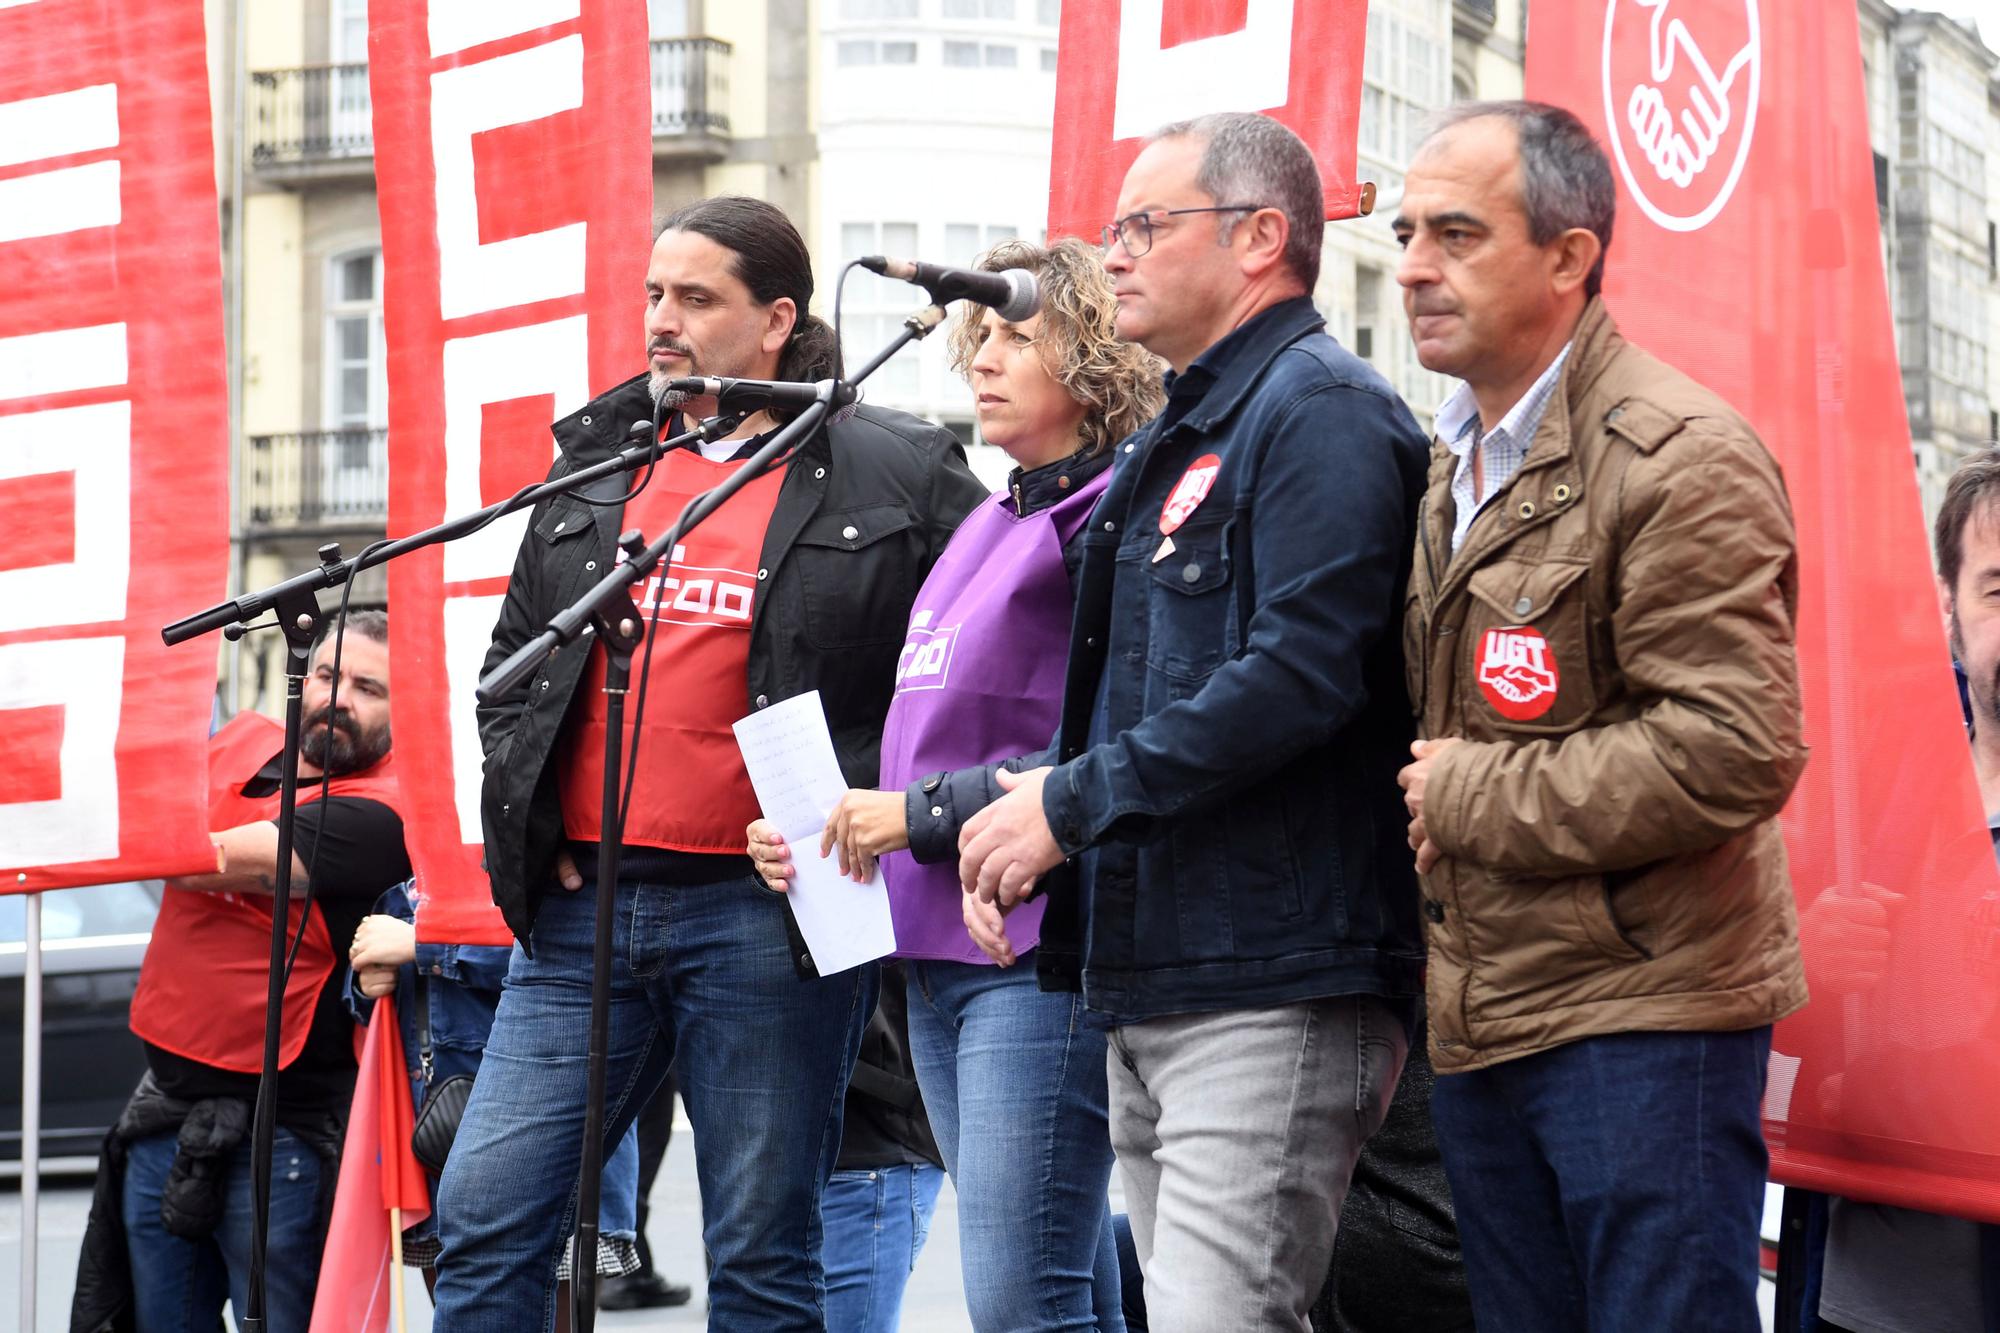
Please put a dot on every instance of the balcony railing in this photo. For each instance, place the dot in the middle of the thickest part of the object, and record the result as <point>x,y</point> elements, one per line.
<point>690,86</point>
<point>318,478</point>
<point>315,121</point>
<point>315,116</point>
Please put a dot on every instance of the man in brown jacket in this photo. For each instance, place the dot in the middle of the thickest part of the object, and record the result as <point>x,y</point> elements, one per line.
<point>1599,639</point>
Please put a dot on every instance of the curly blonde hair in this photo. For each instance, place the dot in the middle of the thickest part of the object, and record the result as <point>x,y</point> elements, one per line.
<point>1118,383</point>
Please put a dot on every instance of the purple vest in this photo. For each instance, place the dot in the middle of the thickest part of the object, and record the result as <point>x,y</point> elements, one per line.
<point>979,680</point>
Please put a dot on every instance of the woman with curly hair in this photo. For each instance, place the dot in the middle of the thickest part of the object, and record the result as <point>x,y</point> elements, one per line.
<point>1013,1077</point>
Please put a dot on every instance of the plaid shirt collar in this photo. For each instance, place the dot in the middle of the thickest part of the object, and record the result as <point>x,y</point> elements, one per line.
<point>1502,449</point>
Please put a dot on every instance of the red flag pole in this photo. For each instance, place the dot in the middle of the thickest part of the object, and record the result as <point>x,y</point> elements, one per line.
<point>402,1178</point>
<point>396,1270</point>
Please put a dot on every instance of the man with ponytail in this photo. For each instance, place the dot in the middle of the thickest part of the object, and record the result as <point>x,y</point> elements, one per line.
<point>803,581</point>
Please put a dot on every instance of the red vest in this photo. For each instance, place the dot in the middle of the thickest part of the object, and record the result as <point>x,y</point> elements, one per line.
<point>693,794</point>
<point>206,976</point>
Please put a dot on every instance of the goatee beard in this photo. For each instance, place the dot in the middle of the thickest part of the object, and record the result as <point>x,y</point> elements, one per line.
<point>670,399</point>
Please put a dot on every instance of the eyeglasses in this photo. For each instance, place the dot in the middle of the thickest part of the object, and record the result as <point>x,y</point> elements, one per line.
<point>1135,230</point>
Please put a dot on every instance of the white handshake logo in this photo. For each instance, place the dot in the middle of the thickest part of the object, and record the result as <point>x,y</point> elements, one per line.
<point>1675,155</point>
<point>1681,122</point>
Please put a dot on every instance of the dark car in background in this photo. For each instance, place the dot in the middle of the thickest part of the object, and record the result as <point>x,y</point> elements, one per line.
<point>92,942</point>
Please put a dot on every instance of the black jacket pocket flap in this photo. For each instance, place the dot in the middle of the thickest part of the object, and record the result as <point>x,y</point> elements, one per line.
<point>852,529</point>
<point>563,521</point>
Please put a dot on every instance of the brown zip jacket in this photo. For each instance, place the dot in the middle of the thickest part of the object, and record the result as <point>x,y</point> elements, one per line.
<point>1614,643</point>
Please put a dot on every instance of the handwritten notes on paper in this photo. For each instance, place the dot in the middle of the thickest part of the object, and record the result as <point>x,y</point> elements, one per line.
<point>789,754</point>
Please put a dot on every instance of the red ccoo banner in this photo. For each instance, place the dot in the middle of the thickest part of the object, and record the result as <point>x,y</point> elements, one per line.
<point>1131,66</point>
<point>1747,253</point>
<point>514,169</point>
<point>115,515</point>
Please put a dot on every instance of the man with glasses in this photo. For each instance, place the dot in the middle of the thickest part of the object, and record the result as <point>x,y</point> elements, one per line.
<point>1217,825</point>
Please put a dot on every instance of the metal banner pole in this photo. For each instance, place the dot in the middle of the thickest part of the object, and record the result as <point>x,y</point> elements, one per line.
<point>31,1106</point>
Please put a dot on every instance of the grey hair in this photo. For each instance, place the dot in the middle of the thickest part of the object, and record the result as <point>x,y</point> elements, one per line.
<point>1247,158</point>
<point>1565,176</point>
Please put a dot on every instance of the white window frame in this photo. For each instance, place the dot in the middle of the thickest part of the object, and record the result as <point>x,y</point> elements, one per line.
<point>876,306</point>
<point>332,363</point>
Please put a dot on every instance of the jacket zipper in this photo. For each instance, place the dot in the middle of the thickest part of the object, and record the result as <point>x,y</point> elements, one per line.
<point>1424,541</point>
<point>1430,576</point>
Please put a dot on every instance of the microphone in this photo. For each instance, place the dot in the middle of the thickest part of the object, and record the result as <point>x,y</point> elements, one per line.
<point>1011,293</point>
<point>732,395</point>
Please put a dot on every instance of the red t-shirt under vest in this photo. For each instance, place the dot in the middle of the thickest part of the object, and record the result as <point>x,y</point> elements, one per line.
<point>203,983</point>
<point>692,793</point>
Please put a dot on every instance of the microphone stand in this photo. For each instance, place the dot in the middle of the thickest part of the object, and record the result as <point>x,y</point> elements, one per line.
<point>608,608</point>
<point>296,605</point>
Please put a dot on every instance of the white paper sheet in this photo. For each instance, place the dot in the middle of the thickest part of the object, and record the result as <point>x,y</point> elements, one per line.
<point>789,754</point>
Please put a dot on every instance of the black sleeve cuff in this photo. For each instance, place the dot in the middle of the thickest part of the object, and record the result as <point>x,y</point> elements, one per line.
<point>937,807</point>
<point>928,810</point>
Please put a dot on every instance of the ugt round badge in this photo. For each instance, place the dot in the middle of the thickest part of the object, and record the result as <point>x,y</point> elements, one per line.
<point>1517,672</point>
<point>1189,492</point>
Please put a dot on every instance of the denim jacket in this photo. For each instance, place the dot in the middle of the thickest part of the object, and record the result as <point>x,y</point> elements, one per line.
<point>1234,712</point>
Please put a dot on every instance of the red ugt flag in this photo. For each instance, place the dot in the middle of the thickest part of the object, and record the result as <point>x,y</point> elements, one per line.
<point>1747,253</point>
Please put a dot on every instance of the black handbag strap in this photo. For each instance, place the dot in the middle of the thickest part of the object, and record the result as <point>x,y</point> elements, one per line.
<point>424,1026</point>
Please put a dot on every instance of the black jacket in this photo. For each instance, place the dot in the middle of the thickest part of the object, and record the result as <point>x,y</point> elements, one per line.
<point>865,507</point>
<point>1396,1258</point>
<point>886,1123</point>
<point>193,1198</point>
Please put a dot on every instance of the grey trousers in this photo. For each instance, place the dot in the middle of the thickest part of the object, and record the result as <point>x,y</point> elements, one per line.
<point>1237,1133</point>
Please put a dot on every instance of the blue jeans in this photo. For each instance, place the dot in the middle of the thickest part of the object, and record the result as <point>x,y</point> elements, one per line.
<point>1015,1085</point>
<point>1613,1183</point>
<point>179,1285</point>
<point>617,1200</point>
<point>702,978</point>
<point>1131,1277</point>
<point>875,1223</point>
